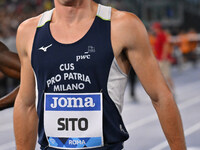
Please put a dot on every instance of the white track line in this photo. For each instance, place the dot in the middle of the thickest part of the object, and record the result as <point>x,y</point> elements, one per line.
<point>189,103</point>
<point>153,117</point>
<point>188,86</point>
<point>141,122</point>
<point>8,146</point>
<point>188,132</point>
<point>12,146</point>
<point>179,94</point>
<point>192,129</point>
<point>5,127</point>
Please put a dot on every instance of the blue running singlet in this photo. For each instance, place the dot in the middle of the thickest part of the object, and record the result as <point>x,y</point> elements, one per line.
<point>79,88</point>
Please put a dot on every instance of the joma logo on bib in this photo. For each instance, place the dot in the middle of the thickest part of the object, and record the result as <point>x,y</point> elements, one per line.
<point>72,102</point>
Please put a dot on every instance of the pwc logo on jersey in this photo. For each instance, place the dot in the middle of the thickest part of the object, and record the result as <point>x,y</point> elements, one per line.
<point>72,102</point>
<point>86,55</point>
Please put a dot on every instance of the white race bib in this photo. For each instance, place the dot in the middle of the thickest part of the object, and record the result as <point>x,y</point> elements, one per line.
<point>73,121</point>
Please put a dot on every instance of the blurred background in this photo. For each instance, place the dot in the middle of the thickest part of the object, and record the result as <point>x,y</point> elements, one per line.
<point>173,27</point>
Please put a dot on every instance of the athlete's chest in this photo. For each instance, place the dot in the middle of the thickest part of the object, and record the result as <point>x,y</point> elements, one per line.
<point>70,33</point>
<point>69,67</point>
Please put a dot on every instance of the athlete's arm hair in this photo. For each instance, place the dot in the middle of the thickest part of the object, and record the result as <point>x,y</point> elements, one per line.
<point>136,45</point>
<point>25,115</point>
<point>8,100</point>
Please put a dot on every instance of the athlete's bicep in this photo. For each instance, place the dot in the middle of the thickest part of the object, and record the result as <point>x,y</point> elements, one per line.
<point>27,84</point>
<point>141,57</point>
<point>26,93</point>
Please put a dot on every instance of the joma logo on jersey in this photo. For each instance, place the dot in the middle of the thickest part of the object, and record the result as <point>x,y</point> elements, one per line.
<point>82,57</point>
<point>72,102</point>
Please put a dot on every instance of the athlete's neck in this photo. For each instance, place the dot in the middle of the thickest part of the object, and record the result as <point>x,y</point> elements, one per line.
<point>73,11</point>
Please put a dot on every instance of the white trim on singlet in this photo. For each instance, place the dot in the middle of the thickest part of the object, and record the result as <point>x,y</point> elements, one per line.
<point>46,16</point>
<point>36,91</point>
<point>116,85</point>
<point>104,12</point>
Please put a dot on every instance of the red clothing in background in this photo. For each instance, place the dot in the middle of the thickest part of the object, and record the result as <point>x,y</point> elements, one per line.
<point>160,40</point>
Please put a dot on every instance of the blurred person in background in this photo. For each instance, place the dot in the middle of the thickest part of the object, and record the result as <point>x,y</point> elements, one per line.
<point>169,46</point>
<point>133,80</point>
<point>188,44</point>
<point>193,37</point>
<point>163,49</point>
<point>9,66</point>
<point>192,41</point>
<point>184,44</point>
<point>152,40</point>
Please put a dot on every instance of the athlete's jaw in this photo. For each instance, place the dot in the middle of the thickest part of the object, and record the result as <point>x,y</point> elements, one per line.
<point>69,2</point>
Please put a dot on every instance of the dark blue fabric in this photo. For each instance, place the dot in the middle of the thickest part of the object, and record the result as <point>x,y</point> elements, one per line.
<point>46,65</point>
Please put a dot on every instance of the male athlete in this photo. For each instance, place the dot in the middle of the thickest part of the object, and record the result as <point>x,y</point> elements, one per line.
<point>74,65</point>
<point>10,66</point>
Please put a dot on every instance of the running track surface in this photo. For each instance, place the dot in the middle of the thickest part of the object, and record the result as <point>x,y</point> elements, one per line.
<point>140,118</point>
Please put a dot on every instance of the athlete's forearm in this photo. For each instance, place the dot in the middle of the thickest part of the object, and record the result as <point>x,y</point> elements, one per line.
<point>171,123</point>
<point>8,100</point>
<point>10,72</point>
<point>25,126</point>
<point>10,60</point>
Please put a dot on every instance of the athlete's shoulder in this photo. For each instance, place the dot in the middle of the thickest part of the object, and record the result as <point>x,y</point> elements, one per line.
<point>126,20</point>
<point>124,15</point>
<point>25,34</point>
<point>127,28</point>
<point>29,24</point>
